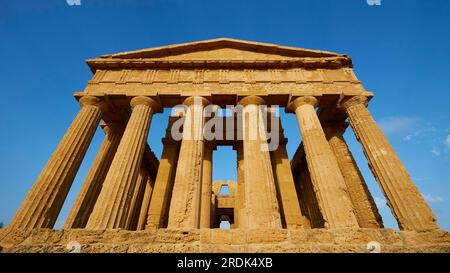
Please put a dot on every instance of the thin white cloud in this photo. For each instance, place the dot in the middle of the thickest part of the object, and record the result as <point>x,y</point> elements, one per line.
<point>426,130</point>
<point>435,151</point>
<point>433,199</point>
<point>381,202</point>
<point>398,125</point>
<point>447,141</point>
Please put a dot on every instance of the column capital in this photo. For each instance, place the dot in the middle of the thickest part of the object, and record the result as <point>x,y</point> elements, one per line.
<point>252,100</point>
<point>143,100</point>
<point>93,101</point>
<point>196,100</point>
<point>348,102</point>
<point>109,127</point>
<point>297,102</point>
<point>334,127</point>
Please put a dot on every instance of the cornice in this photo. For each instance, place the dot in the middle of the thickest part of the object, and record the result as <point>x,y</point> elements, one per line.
<point>308,63</point>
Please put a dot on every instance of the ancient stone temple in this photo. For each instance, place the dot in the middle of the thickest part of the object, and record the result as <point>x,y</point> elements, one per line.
<point>131,201</point>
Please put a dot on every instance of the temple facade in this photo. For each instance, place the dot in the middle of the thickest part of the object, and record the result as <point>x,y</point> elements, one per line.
<point>128,189</point>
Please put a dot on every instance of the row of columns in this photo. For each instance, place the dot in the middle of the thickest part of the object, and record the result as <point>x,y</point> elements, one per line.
<point>403,197</point>
<point>45,199</point>
<point>363,203</point>
<point>342,195</point>
<point>329,185</point>
<point>292,216</point>
<point>119,193</point>
<point>158,211</point>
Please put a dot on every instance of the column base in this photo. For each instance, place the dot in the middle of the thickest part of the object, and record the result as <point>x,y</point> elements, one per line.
<point>345,240</point>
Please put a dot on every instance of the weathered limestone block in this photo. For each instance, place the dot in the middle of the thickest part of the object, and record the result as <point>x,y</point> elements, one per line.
<point>258,176</point>
<point>404,199</point>
<point>365,207</point>
<point>111,209</point>
<point>85,202</point>
<point>348,240</point>
<point>45,199</point>
<point>328,183</point>
<point>185,204</point>
<point>223,204</point>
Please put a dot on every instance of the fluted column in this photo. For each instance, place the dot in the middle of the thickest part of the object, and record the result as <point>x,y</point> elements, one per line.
<point>45,199</point>
<point>239,203</point>
<point>329,185</point>
<point>261,206</point>
<point>113,204</point>
<point>305,192</point>
<point>404,199</point>
<point>287,195</point>
<point>143,213</point>
<point>185,204</point>
<point>365,207</point>
<point>136,200</point>
<point>308,198</point>
<point>205,206</point>
<point>84,204</point>
<point>162,193</point>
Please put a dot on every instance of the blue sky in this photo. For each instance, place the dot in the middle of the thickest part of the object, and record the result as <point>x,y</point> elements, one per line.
<point>400,52</point>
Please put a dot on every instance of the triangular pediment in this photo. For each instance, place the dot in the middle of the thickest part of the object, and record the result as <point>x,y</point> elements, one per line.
<point>222,49</point>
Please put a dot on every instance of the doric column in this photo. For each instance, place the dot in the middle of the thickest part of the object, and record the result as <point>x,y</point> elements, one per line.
<point>287,195</point>
<point>111,209</point>
<point>239,203</point>
<point>143,213</point>
<point>162,192</point>
<point>404,199</point>
<point>45,199</point>
<point>136,200</point>
<point>261,206</point>
<point>305,192</point>
<point>205,206</point>
<point>84,204</point>
<point>309,197</point>
<point>365,207</point>
<point>185,204</point>
<point>329,185</point>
